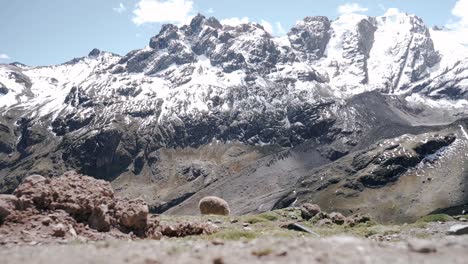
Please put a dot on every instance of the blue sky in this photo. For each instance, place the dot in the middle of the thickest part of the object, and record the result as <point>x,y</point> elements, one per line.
<point>41,32</point>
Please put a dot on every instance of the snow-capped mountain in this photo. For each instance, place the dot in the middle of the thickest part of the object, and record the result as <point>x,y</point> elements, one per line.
<point>331,82</point>
<point>355,53</point>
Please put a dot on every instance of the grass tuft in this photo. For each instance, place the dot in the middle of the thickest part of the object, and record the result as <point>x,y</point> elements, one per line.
<point>233,235</point>
<point>270,216</point>
<point>262,252</point>
<point>255,219</point>
<point>435,218</point>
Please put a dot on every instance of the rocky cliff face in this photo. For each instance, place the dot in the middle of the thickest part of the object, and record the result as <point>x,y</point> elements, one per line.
<point>207,103</point>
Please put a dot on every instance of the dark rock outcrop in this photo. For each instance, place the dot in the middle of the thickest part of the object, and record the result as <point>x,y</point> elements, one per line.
<point>310,37</point>
<point>378,166</point>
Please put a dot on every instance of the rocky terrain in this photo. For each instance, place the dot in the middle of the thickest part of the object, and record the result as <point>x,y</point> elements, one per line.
<point>55,220</point>
<point>358,114</point>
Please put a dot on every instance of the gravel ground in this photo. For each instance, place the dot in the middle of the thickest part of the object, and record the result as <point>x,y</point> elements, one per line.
<point>336,249</point>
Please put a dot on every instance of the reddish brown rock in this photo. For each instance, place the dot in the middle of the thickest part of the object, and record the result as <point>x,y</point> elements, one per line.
<point>78,195</point>
<point>8,205</point>
<point>33,192</point>
<point>322,215</point>
<point>100,218</point>
<point>132,214</point>
<point>76,206</point>
<point>59,230</point>
<point>337,218</point>
<point>46,221</point>
<point>187,229</point>
<point>309,210</point>
<point>358,219</point>
<point>324,222</point>
<point>153,228</point>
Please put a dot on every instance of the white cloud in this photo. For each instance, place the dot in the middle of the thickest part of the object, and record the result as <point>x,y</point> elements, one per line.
<point>273,29</point>
<point>210,10</point>
<point>267,26</point>
<point>351,8</point>
<point>280,29</point>
<point>158,11</point>
<point>392,12</point>
<point>120,9</point>
<point>460,26</point>
<point>460,10</point>
<point>235,21</point>
<point>4,57</point>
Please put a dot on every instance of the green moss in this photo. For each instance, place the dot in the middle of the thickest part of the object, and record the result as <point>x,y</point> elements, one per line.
<point>362,230</point>
<point>284,233</point>
<point>422,235</point>
<point>418,224</point>
<point>291,213</point>
<point>435,218</point>
<point>329,231</point>
<point>270,216</point>
<point>262,252</point>
<point>380,229</point>
<point>255,219</point>
<point>233,235</point>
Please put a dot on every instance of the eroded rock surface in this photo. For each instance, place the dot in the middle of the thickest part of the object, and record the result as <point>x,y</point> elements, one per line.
<point>80,207</point>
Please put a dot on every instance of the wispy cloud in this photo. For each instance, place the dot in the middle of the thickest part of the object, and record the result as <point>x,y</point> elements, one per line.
<point>210,10</point>
<point>120,9</point>
<point>4,56</point>
<point>157,11</point>
<point>460,10</point>
<point>273,28</point>
<point>392,12</point>
<point>351,8</point>
<point>234,21</point>
<point>460,25</point>
<point>267,26</point>
<point>276,30</point>
<point>280,29</point>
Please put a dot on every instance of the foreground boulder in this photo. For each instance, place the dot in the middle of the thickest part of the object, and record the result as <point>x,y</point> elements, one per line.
<point>213,205</point>
<point>75,206</point>
<point>74,199</point>
<point>77,195</point>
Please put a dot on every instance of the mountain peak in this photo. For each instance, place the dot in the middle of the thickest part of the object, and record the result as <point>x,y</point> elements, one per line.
<point>94,53</point>
<point>199,21</point>
<point>168,33</point>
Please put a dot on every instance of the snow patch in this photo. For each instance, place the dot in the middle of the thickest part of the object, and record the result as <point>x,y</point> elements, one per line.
<point>464,132</point>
